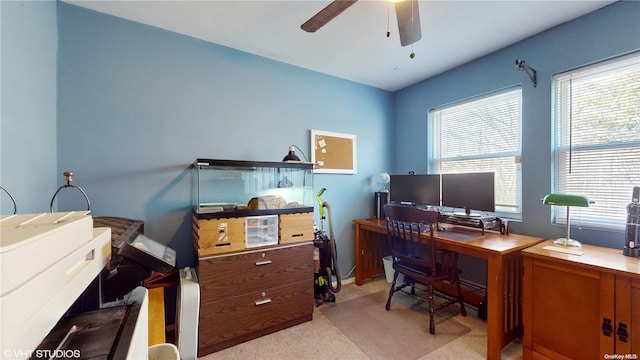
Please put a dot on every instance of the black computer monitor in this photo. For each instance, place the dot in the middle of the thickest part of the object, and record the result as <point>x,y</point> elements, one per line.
<point>421,189</point>
<point>470,191</point>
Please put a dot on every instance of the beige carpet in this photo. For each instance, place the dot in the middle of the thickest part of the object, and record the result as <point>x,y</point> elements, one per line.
<point>400,333</point>
<point>321,339</point>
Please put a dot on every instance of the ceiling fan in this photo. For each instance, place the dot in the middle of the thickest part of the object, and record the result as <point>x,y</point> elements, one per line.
<point>406,12</point>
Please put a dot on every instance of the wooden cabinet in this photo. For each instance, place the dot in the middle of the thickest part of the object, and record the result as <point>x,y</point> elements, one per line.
<point>296,227</point>
<point>628,313</point>
<point>249,294</point>
<point>583,306</point>
<point>253,233</point>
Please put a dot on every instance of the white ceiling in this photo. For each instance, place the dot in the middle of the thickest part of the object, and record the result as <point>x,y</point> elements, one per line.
<point>354,45</point>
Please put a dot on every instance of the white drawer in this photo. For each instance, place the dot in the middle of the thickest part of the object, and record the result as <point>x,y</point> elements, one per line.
<point>31,310</point>
<point>31,243</point>
<point>261,231</point>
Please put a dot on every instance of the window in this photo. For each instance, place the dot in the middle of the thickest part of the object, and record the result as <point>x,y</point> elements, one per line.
<point>597,139</point>
<point>482,135</point>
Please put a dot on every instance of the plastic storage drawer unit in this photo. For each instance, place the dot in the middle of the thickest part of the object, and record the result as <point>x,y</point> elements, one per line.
<point>261,231</point>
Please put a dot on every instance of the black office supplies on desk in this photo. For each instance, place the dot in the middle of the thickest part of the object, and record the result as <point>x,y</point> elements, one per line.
<point>478,222</point>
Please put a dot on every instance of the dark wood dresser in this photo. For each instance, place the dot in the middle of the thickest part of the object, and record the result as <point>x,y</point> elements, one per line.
<point>252,293</point>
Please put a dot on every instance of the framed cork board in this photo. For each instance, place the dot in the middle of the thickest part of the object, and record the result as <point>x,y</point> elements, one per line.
<point>333,152</point>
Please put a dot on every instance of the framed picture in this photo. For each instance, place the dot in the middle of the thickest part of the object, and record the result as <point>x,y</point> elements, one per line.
<point>333,152</point>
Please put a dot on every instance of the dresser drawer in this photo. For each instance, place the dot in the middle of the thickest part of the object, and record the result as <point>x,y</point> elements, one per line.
<point>240,317</point>
<point>296,228</point>
<point>217,236</point>
<point>225,276</point>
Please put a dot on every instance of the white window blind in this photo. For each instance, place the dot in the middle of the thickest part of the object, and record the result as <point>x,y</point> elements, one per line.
<point>597,142</point>
<point>478,136</point>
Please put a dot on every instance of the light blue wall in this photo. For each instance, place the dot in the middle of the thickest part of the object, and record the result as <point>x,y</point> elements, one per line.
<point>608,32</point>
<point>28,168</point>
<point>137,105</point>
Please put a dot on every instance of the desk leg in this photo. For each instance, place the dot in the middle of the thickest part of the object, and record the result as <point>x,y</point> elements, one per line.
<point>495,307</point>
<point>370,247</point>
<point>504,297</point>
<point>358,255</point>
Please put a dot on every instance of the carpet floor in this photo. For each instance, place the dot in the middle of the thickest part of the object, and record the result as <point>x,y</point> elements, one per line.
<point>402,333</point>
<point>357,326</point>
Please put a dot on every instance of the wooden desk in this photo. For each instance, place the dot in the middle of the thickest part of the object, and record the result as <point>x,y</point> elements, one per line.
<point>504,272</point>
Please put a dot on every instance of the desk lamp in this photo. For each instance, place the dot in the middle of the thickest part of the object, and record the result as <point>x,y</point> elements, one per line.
<point>568,201</point>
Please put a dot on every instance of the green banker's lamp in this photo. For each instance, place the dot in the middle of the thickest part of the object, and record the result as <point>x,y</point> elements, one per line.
<point>568,201</point>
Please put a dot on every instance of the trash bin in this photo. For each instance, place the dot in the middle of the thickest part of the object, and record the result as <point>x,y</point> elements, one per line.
<point>166,351</point>
<point>387,262</point>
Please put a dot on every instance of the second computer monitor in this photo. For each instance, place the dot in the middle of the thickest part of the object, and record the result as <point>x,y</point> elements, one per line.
<point>471,191</point>
<point>415,189</point>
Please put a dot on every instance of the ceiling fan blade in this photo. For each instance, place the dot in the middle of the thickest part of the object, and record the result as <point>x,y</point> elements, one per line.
<point>408,17</point>
<point>327,14</point>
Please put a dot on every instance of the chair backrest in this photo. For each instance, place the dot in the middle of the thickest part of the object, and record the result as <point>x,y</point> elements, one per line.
<point>405,228</point>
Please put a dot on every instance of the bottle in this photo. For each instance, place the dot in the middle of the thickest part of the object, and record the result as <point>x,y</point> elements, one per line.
<point>632,233</point>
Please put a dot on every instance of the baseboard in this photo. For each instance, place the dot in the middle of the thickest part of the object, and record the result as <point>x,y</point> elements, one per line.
<point>350,280</point>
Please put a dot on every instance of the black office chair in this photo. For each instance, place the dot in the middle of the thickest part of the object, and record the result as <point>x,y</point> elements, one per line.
<point>416,256</point>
